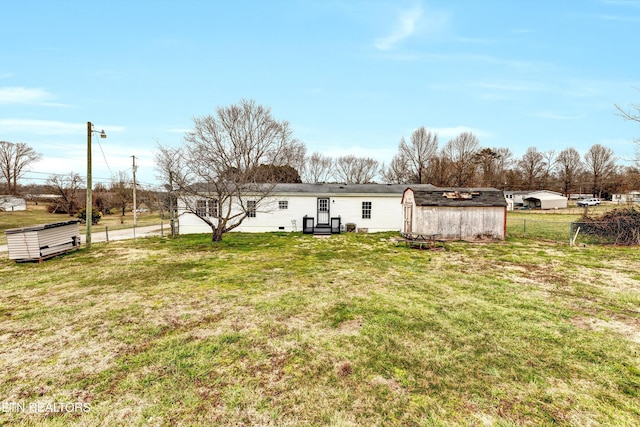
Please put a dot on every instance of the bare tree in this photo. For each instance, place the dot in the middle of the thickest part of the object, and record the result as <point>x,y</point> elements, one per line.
<point>505,163</point>
<point>461,151</point>
<point>550,161</point>
<point>532,166</point>
<point>215,169</point>
<point>68,188</point>
<point>418,153</point>
<point>14,158</point>
<point>356,170</point>
<point>568,168</point>
<point>122,191</point>
<point>600,164</point>
<point>487,160</point>
<point>630,114</point>
<point>318,168</point>
<point>398,171</point>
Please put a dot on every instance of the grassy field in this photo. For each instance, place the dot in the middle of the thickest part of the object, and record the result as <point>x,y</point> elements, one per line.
<point>290,330</point>
<point>37,214</point>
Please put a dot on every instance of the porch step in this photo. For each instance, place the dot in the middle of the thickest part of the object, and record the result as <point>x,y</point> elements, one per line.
<point>322,231</point>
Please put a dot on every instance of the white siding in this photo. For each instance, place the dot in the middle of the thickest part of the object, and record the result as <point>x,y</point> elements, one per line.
<point>35,244</point>
<point>386,213</point>
<point>23,245</point>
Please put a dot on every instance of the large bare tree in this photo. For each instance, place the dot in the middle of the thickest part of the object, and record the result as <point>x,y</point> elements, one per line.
<point>351,169</point>
<point>398,171</point>
<point>418,153</point>
<point>568,168</point>
<point>122,191</point>
<point>533,167</point>
<point>600,164</point>
<point>461,152</point>
<point>14,158</point>
<point>632,113</point>
<point>317,168</point>
<point>215,170</point>
<point>68,190</point>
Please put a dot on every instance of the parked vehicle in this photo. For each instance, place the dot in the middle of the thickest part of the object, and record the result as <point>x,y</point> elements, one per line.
<point>589,202</point>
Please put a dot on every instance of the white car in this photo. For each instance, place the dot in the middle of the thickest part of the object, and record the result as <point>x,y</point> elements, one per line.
<point>589,202</point>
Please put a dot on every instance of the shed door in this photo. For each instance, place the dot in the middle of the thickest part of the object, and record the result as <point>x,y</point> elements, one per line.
<point>323,211</point>
<point>408,216</point>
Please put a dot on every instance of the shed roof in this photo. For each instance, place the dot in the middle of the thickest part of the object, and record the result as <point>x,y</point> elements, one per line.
<point>459,197</point>
<point>40,227</point>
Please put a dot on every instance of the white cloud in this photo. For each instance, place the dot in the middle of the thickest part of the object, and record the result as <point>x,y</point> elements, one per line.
<point>405,27</point>
<point>26,96</point>
<point>48,127</point>
<point>556,116</point>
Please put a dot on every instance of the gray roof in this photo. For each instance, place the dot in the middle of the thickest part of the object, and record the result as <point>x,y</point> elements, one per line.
<point>323,188</point>
<point>40,226</point>
<point>459,197</point>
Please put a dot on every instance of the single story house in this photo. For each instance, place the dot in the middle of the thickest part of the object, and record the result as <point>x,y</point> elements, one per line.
<point>12,203</point>
<point>455,213</point>
<point>315,207</point>
<point>630,197</point>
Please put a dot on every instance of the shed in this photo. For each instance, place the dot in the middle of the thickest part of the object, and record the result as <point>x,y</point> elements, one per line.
<point>545,200</point>
<point>456,213</point>
<point>38,242</point>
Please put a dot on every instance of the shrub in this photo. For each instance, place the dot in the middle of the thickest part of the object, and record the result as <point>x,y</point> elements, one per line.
<point>95,216</point>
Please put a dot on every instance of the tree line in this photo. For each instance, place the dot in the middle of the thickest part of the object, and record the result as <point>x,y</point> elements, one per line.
<point>243,143</point>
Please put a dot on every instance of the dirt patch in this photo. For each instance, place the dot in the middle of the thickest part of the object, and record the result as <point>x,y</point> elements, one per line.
<point>629,329</point>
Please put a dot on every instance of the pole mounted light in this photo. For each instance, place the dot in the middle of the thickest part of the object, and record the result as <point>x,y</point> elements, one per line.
<point>89,208</point>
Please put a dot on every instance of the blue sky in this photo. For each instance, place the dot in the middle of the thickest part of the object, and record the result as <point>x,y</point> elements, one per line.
<point>349,76</point>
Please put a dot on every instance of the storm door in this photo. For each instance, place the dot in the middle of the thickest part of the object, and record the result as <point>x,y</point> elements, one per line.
<point>323,212</point>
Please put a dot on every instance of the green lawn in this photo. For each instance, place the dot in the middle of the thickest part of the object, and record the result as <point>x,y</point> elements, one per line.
<point>290,330</point>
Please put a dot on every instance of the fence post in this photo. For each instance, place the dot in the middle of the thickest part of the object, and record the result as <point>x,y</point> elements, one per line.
<point>524,228</point>
<point>571,234</point>
<point>106,231</point>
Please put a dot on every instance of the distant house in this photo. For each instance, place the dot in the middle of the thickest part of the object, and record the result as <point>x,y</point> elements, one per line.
<point>12,203</point>
<point>319,208</point>
<point>541,199</point>
<point>455,213</point>
<point>627,198</point>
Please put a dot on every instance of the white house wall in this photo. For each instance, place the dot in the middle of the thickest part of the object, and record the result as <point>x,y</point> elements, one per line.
<point>386,213</point>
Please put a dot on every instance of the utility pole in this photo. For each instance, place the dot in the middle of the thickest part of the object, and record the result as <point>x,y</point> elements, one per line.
<point>89,208</point>
<point>135,207</point>
<point>172,221</point>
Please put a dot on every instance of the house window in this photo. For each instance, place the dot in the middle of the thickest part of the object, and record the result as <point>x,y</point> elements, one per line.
<point>366,210</point>
<point>201,208</point>
<point>213,208</point>
<point>207,208</point>
<point>283,204</point>
<point>251,208</point>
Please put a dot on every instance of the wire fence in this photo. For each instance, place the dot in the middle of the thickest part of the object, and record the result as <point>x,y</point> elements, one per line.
<point>572,232</point>
<point>559,231</point>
